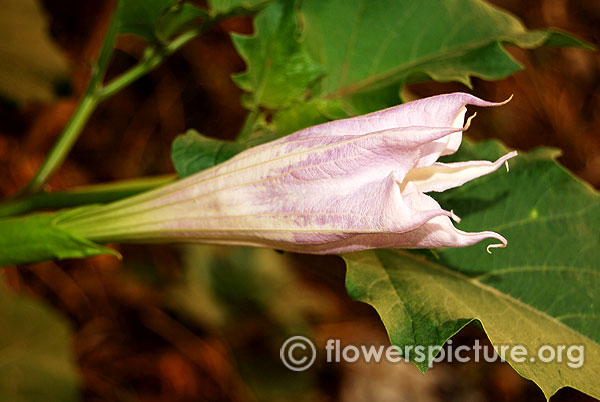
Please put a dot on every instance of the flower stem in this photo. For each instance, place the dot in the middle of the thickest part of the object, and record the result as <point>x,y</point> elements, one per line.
<point>97,193</point>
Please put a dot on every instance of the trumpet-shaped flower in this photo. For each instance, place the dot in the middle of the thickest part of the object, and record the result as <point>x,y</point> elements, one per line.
<point>346,185</point>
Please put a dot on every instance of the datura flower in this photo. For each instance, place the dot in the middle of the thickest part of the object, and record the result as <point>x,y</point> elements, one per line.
<point>346,185</point>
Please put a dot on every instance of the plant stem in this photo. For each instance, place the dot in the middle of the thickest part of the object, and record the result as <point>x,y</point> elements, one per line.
<point>151,59</point>
<point>248,126</point>
<point>63,145</point>
<point>86,107</point>
<point>93,96</point>
<point>97,193</point>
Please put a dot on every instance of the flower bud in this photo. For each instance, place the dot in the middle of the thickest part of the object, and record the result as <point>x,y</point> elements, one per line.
<point>346,185</point>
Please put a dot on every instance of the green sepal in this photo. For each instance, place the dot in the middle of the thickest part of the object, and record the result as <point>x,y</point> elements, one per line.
<point>38,237</point>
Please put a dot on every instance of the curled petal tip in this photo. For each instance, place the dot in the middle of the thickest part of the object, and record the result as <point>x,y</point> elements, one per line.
<point>508,156</point>
<point>503,243</point>
<point>468,122</point>
<point>454,217</point>
<point>497,245</point>
<point>506,101</point>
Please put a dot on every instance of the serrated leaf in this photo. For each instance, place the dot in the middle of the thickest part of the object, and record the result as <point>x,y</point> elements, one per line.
<point>37,359</point>
<point>278,69</point>
<point>36,237</point>
<point>542,289</point>
<point>32,64</point>
<point>368,50</point>
<point>365,45</point>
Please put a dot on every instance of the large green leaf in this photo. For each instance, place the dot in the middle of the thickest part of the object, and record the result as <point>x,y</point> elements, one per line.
<point>541,290</point>
<point>36,357</point>
<point>279,70</point>
<point>357,54</point>
<point>365,45</point>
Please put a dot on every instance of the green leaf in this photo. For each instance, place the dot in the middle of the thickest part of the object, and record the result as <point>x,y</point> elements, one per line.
<point>278,69</point>
<point>365,45</point>
<point>141,17</point>
<point>37,237</point>
<point>541,289</point>
<point>559,38</point>
<point>302,114</point>
<point>178,19</point>
<point>37,357</point>
<point>32,64</point>
<point>360,53</point>
<point>147,19</point>
<point>193,152</point>
<point>228,6</point>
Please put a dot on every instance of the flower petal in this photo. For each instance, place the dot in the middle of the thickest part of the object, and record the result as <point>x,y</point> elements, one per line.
<point>280,172</point>
<point>437,232</point>
<point>436,111</point>
<point>443,176</point>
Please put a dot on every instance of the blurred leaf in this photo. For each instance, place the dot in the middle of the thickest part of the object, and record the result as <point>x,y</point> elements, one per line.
<point>194,295</point>
<point>254,297</point>
<point>178,19</point>
<point>36,237</point>
<point>278,69</point>
<point>36,360</point>
<point>141,17</point>
<point>542,289</point>
<point>227,6</point>
<point>224,284</point>
<point>32,64</point>
<point>365,45</point>
<point>193,152</point>
<point>558,38</point>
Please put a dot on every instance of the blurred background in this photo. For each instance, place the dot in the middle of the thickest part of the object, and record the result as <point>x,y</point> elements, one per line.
<point>192,323</point>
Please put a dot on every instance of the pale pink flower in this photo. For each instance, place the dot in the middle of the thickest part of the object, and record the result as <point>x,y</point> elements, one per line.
<point>342,186</point>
